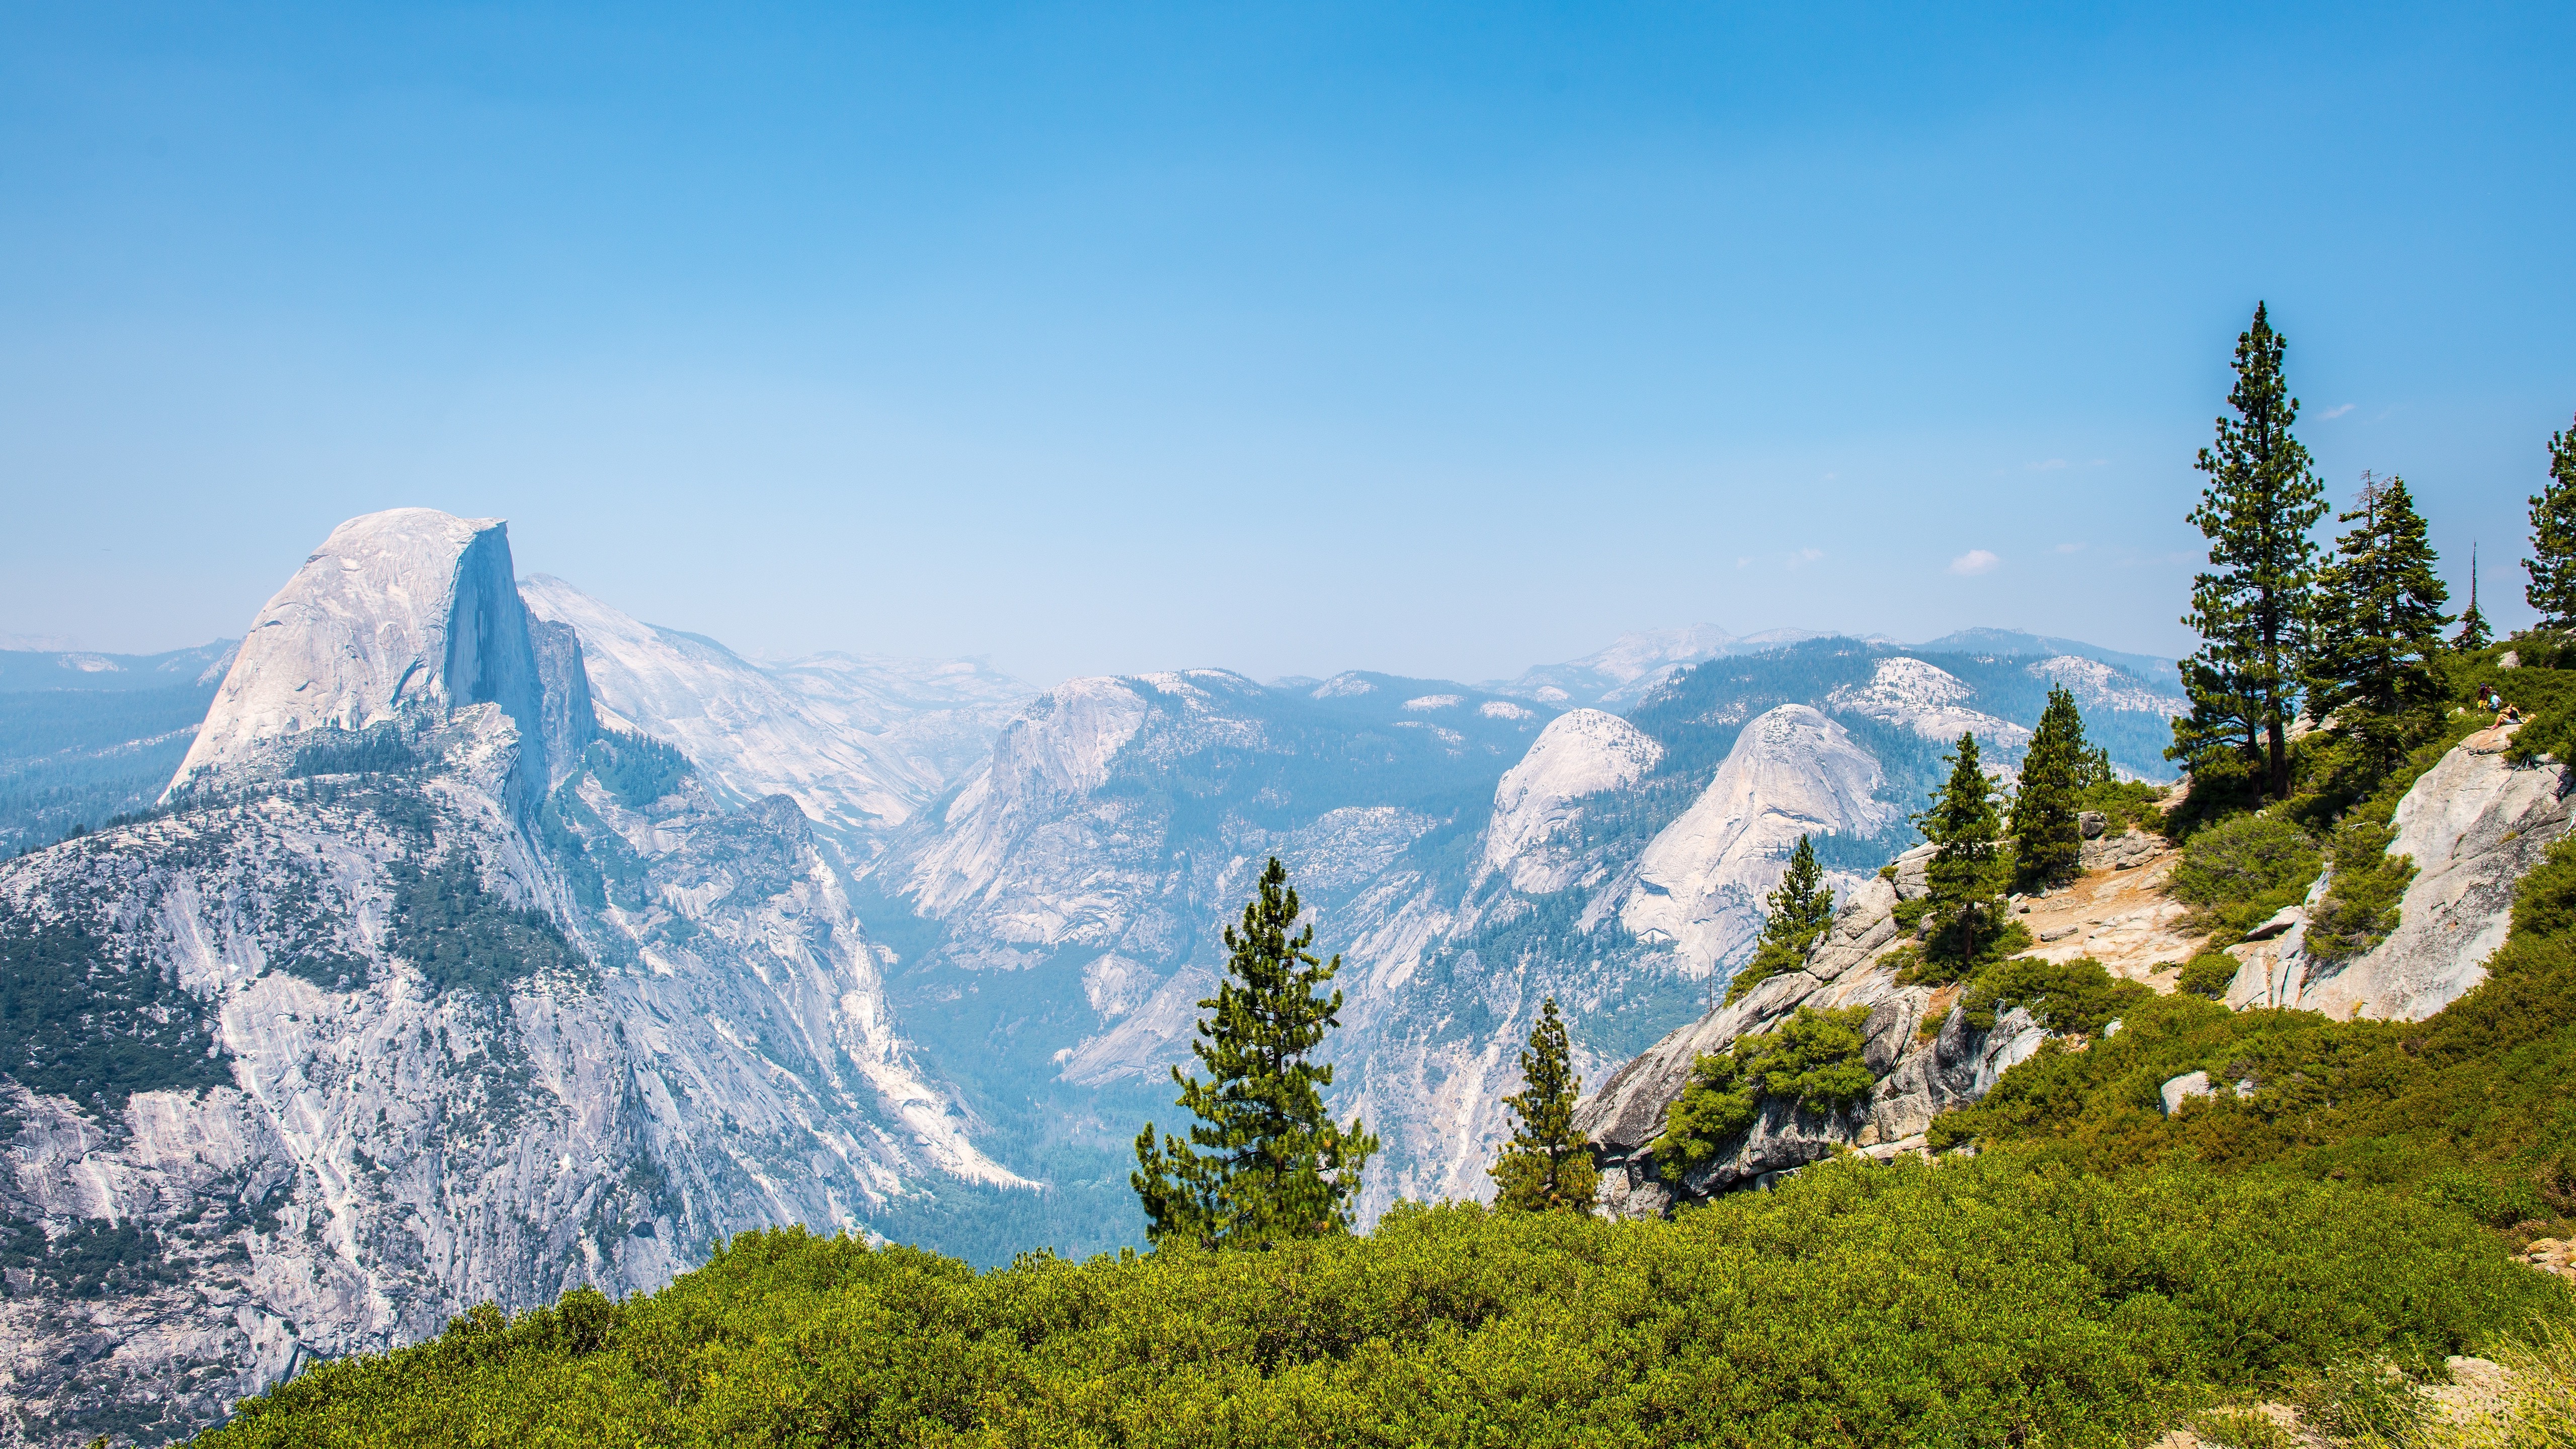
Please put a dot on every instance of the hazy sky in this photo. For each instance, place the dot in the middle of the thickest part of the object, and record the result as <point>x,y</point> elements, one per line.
<point>1436,340</point>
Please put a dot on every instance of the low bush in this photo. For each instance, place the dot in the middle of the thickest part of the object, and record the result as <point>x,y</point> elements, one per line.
<point>1813,1059</point>
<point>2484,1089</point>
<point>2242,869</point>
<point>1972,1303</point>
<point>2075,996</point>
<point>2208,974</point>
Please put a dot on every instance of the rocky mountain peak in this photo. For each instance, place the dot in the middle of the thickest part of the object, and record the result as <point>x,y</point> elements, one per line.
<point>408,613</point>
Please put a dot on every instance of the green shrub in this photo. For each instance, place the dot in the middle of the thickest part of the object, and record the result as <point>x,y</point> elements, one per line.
<point>2208,974</point>
<point>2069,996</point>
<point>2482,1087</point>
<point>2243,869</point>
<point>2359,907</point>
<point>1974,1303</point>
<point>1813,1059</point>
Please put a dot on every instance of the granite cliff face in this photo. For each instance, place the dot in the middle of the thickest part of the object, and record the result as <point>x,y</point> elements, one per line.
<point>860,745</point>
<point>407,612</point>
<point>2474,824</point>
<point>422,993</point>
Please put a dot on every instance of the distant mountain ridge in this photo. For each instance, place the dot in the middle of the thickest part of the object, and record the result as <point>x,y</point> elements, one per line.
<point>1636,662</point>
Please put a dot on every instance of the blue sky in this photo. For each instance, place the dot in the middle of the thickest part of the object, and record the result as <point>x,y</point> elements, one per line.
<point>1442,340</point>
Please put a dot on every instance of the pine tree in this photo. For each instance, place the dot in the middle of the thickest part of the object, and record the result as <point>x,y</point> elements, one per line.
<point>1547,1164</point>
<point>2552,564</point>
<point>2375,666</point>
<point>1965,879</point>
<point>2474,633</point>
<point>2048,839</point>
<point>1280,1166</point>
<point>2251,607</point>
<point>1797,914</point>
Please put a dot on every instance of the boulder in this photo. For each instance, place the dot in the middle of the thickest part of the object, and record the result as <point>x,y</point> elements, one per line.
<point>2278,922</point>
<point>2183,1088</point>
<point>2093,823</point>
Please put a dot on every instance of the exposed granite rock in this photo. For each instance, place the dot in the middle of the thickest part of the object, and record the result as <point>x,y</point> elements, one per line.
<point>2475,824</point>
<point>1921,1073</point>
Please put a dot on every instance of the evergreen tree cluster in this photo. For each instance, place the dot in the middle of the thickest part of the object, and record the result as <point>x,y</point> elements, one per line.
<point>2351,637</point>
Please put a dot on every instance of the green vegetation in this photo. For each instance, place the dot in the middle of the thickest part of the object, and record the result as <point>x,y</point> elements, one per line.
<point>2359,907</point>
<point>463,937</point>
<point>1969,869</point>
<point>1812,1060</point>
<point>378,751</point>
<point>2076,997</point>
<point>93,1259</point>
<point>85,1017</point>
<point>1547,1165</point>
<point>2474,634</point>
<point>1281,1167</point>
<point>2472,1108</point>
<point>2242,870</point>
<point>637,769</point>
<point>1973,1303</point>
<point>2047,840</point>
<point>2208,974</point>
<point>1800,910</point>
<point>2552,564</point>
<point>2251,606</point>
<point>2375,665</point>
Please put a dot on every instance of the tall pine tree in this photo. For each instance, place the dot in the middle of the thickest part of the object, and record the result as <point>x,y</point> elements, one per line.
<point>2375,666</point>
<point>1798,913</point>
<point>2552,564</point>
<point>1965,879</point>
<point>1279,1166</point>
<point>1547,1163</point>
<point>2250,607</point>
<point>2474,633</point>
<point>2048,839</point>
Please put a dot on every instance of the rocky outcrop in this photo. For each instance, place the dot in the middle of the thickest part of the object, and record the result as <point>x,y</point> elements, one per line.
<point>1926,1056</point>
<point>1930,701</point>
<point>410,614</point>
<point>1699,884</point>
<point>318,1059</point>
<point>2474,824</point>
<point>1534,836</point>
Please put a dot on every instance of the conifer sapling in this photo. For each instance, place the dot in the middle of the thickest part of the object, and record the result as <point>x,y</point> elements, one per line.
<point>1547,1164</point>
<point>1797,914</point>
<point>1278,1166</point>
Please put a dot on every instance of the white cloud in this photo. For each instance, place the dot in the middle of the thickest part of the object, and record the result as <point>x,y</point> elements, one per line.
<point>2070,548</point>
<point>2046,465</point>
<point>1805,556</point>
<point>2336,411</point>
<point>1974,561</point>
